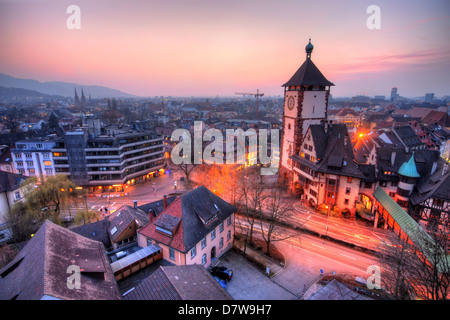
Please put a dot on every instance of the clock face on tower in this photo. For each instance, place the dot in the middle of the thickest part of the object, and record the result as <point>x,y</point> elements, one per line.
<point>290,103</point>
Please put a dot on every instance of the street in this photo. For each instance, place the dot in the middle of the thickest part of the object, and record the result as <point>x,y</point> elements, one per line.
<point>152,190</point>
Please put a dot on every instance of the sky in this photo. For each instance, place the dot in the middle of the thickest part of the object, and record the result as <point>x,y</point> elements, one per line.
<point>210,47</point>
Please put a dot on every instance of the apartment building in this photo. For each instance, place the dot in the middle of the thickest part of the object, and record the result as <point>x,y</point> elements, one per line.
<point>33,157</point>
<point>196,228</point>
<point>113,159</point>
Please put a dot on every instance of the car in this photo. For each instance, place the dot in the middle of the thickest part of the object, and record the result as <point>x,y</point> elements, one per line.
<point>222,272</point>
<point>222,283</point>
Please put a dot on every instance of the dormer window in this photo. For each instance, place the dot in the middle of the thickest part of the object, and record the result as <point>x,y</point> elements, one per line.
<point>167,224</point>
<point>165,231</point>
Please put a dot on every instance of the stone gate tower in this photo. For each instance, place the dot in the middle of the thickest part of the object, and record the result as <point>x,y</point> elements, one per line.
<point>305,102</point>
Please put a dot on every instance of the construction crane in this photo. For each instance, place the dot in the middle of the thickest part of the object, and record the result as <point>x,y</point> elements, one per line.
<point>257,95</point>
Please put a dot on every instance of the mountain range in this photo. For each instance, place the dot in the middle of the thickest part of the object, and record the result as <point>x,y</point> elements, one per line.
<point>59,88</point>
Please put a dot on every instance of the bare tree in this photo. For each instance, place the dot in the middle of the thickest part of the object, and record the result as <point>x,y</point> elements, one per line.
<point>250,191</point>
<point>275,209</point>
<point>419,270</point>
<point>431,271</point>
<point>85,216</point>
<point>395,256</point>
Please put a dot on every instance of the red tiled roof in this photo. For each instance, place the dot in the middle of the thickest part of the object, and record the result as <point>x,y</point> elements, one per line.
<point>176,242</point>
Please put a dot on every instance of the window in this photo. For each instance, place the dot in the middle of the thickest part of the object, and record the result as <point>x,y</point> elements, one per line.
<point>392,195</point>
<point>403,192</point>
<point>18,155</point>
<point>17,195</point>
<point>31,171</point>
<point>367,185</point>
<point>19,163</point>
<point>171,254</point>
<point>29,163</point>
<point>48,163</point>
<point>48,171</point>
<point>349,179</point>
<point>347,190</point>
<point>28,155</point>
<point>228,221</point>
<point>438,202</point>
<point>229,235</point>
<point>213,234</point>
<point>346,201</point>
<point>221,242</point>
<point>203,243</point>
<point>402,203</point>
<point>204,259</point>
<point>193,252</point>
<point>394,183</point>
<point>221,227</point>
<point>149,242</point>
<point>46,155</point>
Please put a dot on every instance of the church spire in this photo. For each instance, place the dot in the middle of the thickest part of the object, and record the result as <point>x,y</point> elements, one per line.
<point>76,97</point>
<point>83,98</point>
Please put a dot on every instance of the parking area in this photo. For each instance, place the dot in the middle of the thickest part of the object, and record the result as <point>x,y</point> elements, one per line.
<point>248,283</point>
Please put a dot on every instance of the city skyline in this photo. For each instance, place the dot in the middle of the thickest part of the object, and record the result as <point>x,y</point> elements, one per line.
<point>200,48</point>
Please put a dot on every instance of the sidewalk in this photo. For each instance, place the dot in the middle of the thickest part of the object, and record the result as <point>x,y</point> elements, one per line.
<point>259,258</point>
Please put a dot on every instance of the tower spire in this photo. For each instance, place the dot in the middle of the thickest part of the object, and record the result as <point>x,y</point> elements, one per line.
<point>309,48</point>
<point>83,98</point>
<point>76,97</point>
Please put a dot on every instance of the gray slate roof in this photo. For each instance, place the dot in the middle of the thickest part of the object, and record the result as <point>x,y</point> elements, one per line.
<point>334,155</point>
<point>40,268</point>
<point>201,204</point>
<point>336,291</point>
<point>308,75</point>
<point>10,181</point>
<point>189,282</point>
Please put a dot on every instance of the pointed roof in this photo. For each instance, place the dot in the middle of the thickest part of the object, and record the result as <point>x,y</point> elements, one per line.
<point>308,74</point>
<point>10,181</point>
<point>334,151</point>
<point>189,219</point>
<point>409,169</point>
<point>39,271</point>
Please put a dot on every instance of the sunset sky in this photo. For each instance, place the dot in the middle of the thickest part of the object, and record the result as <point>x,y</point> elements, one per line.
<point>209,47</point>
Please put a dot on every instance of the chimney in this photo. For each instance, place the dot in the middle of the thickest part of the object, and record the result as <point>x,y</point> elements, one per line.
<point>150,215</point>
<point>165,201</point>
<point>135,204</point>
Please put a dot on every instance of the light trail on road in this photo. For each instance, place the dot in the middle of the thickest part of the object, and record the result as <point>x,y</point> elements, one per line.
<point>323,248</point>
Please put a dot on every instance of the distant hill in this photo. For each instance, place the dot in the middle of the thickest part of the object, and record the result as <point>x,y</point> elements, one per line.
<point>58,88</point>
<point>23,94</point>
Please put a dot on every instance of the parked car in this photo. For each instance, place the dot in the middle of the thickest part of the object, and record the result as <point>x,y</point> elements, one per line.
<point>222,273</point>
<point>222,283</point>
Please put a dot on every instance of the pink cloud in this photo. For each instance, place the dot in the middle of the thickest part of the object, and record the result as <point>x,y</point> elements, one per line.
<point>389,62</point>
